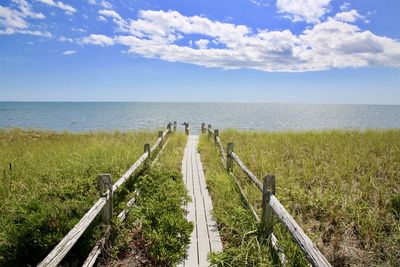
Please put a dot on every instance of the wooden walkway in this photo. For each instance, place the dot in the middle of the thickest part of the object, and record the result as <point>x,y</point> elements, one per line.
<point>205,236</point>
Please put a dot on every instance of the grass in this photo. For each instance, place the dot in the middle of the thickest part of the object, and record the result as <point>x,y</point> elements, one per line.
<point>48,181</point>
<point>342,187</point>
<point>156,232</point>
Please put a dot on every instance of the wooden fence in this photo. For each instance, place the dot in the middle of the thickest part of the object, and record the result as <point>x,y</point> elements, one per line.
<point>104,205</point>
<point>270,205</point>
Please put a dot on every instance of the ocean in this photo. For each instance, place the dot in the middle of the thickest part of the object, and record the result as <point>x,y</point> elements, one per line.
<point>110,116</point>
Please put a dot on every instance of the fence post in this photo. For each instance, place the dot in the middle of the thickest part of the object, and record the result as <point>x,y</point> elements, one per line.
<point>267,214</point>
<point>147,150</point>
<point>169,127</point>
<point>186,128</point>
<point>229,160</point>
<point>105,185</point>
<point>160,135</point>
<point>216,134</point>
<point>174,126</point>
<point>203,127</point>
<point>209,129</point>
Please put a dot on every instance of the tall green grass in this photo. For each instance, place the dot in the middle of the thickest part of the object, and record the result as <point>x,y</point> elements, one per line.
<point>156,232</point>
<point>48,181</point>
<point>342,187</point>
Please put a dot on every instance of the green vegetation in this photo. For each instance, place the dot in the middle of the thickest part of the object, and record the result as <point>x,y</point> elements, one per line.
<point>156,232</point>
<point>342,187</point>
<point>48,181</point>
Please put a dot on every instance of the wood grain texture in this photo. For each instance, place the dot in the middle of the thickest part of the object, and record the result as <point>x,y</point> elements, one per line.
<point>59,252</point>
<point>247,171</point>
<point>312,253</point>
<point>205,236</point>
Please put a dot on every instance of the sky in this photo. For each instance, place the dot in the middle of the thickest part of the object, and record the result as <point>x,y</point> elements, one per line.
<point>274,51</point>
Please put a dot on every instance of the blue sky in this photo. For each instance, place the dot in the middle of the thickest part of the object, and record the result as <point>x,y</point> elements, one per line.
<point>296,51</point>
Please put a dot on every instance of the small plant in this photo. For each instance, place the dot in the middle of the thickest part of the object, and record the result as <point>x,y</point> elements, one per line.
<point>157,227</point>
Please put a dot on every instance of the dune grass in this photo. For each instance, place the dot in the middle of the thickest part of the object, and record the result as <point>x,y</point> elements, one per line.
<point>342,187</point>
<point>156,232</point>
<point>48,181</point>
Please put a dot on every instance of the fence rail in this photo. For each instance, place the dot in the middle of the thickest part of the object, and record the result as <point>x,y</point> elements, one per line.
<point>270,205</point>
<point>104,203</point>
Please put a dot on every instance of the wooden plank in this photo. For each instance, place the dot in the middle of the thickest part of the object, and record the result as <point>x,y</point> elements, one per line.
<point>205,236</point>
<point>59,252</point>
<point>129,172</point>
<point>192,257</point>
<point>92,258</point>
<point>247,171</point>
<point>203,243</point>
<point>213,234</point>
<point>312,253</point>
<point>221,148</point>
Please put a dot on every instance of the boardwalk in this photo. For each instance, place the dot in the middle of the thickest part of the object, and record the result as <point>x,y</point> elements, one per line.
<point>205,236</point>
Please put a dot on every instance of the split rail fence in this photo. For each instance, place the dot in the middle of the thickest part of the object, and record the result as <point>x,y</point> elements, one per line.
<point>270,205</point>
<point>104,205</point>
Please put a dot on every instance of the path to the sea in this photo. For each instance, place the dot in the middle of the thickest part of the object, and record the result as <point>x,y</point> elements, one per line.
<point>205,236</point>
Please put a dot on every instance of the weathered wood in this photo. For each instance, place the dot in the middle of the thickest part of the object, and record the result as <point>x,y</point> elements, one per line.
<point>216,134</point>
<point>122,215</point>
<point>165,133</point>
<point>129,172</point>
<point>229,162</point>
<point>94,254</point>
<point>169,127</point>
<point>245,199</point>
<point>203,128</point>
<point>221,149</point>
<point>174,126</point>
<point>146,150</point>
<point>59,252</point>
<point>105,187</point>
<point>186,128</point>
<point>274,240</point>
<point>65,245</point>
<point>205,236</point>
<point>267,214</point>
<point>312,253</point>
<point>91,259</point>
<point>209,129</point>
<point>278,249</point>
<point>247,171</point>
<point>157,158</point>
<point>160,135</point>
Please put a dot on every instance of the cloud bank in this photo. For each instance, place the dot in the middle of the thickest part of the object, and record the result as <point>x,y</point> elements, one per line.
<point>171,36</point>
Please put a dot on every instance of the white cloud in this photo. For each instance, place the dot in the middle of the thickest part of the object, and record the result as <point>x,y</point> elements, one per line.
<point>202,43</point>
<point>101,18</point>
<point>104,4</point>
<point>78,29</point>
<point>10,18</point>
<point>28,32</point>
<point>67,8</point>
<point>117,19</point>
<point>98,39</point>
<point>69,52</point>
<point>14,20</point>
<point>348,16</point>
<point>262,3</point>
<point>65,39</point>
<point>309,11</point>
<point>345,6</point>
<point>330,44</point>
<point>26,10</point>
